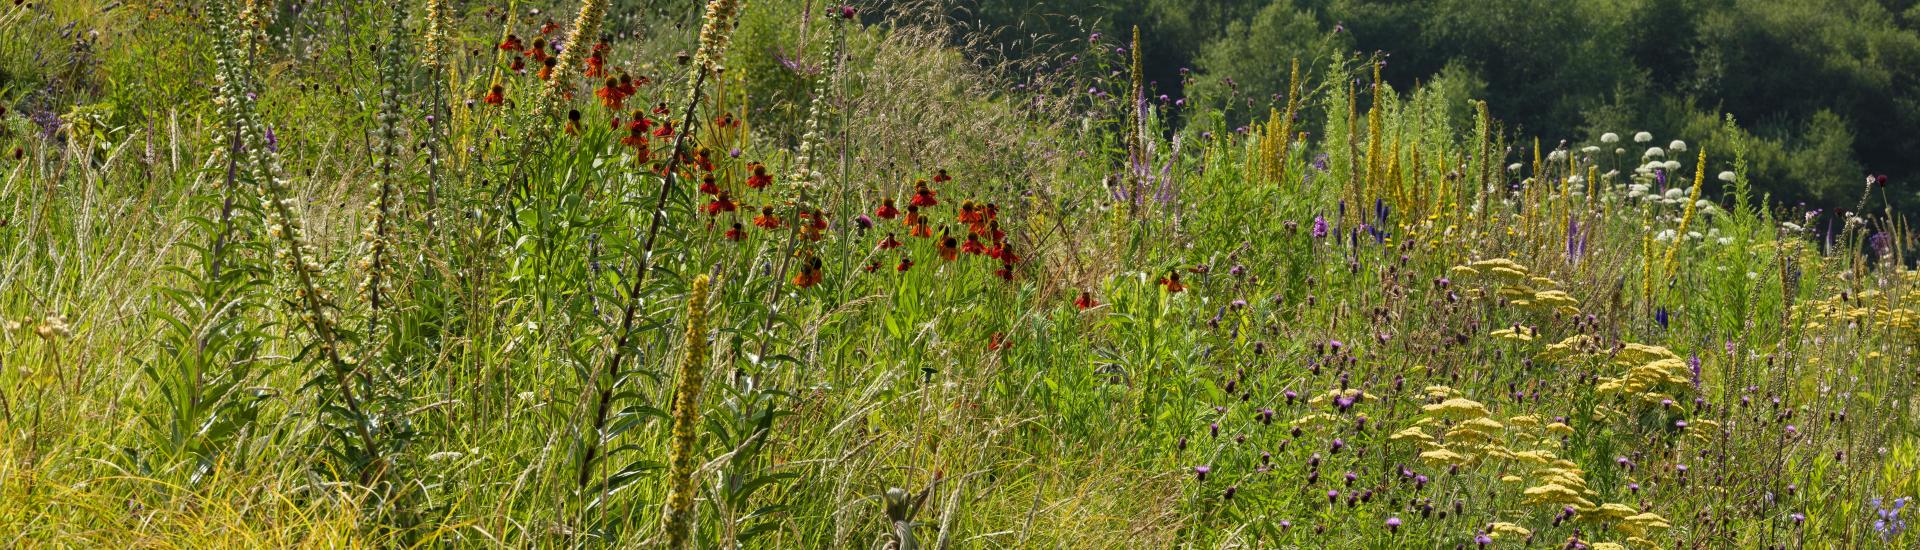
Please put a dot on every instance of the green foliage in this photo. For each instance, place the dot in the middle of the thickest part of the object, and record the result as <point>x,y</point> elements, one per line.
<point>1797,71</point>
<point>318,294</point>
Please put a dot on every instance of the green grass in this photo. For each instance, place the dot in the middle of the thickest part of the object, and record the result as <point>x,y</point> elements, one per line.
<point>171,379</point>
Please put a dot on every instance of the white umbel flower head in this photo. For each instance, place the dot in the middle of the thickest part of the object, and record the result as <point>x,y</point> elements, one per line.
<point>1673,166</point>
<point>1609,137</point>
<point>1558,155</point>
<point>1643,137</point>
<point>1515,167</point>
<point>1653,152</point>
<point>1727,176</point>
<point>1590,149</point>
<point>1677,146</point>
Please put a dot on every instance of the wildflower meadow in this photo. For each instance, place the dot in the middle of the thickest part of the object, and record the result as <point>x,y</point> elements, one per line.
<point>799,274</point>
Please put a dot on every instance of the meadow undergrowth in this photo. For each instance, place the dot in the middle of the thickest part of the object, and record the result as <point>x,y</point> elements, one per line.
<point>777,275</point>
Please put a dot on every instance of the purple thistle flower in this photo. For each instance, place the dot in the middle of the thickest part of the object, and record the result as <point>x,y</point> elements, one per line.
<point>1393,524</point>
<point>1200,472</point>
<point>1319,227</point>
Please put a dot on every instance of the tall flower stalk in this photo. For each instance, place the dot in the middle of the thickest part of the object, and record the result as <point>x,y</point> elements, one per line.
<point>376,264</point>
<point>721,16</point>
<point>686,421</point>
<point>1693,200</point>
<point>312,304</point>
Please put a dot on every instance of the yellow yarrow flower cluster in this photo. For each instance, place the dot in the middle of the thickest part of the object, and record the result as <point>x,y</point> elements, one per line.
<point>1519,286</point>
<point>1866,308</point>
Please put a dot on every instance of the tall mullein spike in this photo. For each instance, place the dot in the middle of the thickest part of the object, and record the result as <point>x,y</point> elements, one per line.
<point>686,420</point>
<point>1286,121</point>
<point>1693,201</point>
<point>1375,135</point>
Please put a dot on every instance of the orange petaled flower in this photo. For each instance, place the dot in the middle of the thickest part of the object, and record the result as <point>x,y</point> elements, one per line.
<point>1085,301</point>
<point>637,139</point>
<point>610,96</point>
<point>661,108</point>
<point>1004,252</point>
<point>719,204</point>
<point>767,219</point>
<point>810,273</point>
<point>967,213</point>
<point>1200,269</point>
<point>940,176</point>
<point>922,229</point>
<point>889,243</point>
<point>549,27</point>
<point>1172,282</point>
<point>596,65</point>
<point>872,266</point>
<point>665,129</point>
<point>973,246</point>
<point>640,121</point>
<point>1005,272</point>
<point>546,68</point>
<point>573,122</point>
<point>703,158</point>
<point>949,248</point>
<point>519,63</point>
<point>512,43</point>
<point>538,51</point>
<point>627,84</point>
<point>886,211</point>
<point>997,342</point>
<point>736,232</point>
<point>759,179</point>
<point>913,215</point>
<point>496,95</point>
<point>904,265</point>
<point>990,230</point>
<point>922,196</point>
<point>707,185</point>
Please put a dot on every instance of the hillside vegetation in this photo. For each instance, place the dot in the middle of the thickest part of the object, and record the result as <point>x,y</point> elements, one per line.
<point>778,274</point>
